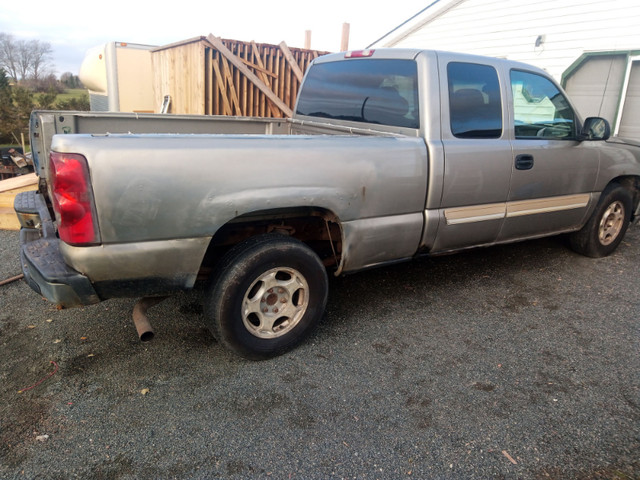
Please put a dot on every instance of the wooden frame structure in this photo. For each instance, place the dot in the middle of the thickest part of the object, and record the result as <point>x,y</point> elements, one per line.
<point>213,76</point>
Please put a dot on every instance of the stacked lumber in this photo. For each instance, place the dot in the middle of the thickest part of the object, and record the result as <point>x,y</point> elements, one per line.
<point>213,76</point>
<point>8,190</point>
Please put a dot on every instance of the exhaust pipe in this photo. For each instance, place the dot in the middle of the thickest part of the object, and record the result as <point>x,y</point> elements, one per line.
<point>140,319</point>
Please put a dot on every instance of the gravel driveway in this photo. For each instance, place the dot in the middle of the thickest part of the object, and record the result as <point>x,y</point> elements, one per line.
<point>519,361</point>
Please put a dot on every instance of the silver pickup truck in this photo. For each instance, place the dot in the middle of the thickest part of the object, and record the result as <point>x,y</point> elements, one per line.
<point>391,154</point>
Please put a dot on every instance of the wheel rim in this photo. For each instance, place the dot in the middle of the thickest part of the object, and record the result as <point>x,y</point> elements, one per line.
<point>611,223</point>
<point>275,303</point>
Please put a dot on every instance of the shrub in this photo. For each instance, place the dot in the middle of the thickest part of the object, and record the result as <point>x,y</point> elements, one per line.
<point>75,103</point>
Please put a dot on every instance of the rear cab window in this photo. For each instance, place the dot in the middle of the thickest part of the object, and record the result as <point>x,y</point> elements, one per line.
<point>379,91</point>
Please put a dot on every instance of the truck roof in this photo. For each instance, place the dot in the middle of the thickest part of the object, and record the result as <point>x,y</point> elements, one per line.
<point>413,53</point>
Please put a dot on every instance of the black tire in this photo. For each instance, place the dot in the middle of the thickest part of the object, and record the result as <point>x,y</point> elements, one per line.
<point>267,294</point>
<point>604,231</point>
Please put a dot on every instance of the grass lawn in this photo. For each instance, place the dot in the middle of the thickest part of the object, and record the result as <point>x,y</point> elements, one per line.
<point>72,93</point>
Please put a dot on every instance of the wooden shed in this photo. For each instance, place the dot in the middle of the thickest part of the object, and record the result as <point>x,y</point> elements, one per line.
<point>213,76</point>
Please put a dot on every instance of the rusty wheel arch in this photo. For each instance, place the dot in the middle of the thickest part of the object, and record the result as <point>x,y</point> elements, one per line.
<point>319,228</point>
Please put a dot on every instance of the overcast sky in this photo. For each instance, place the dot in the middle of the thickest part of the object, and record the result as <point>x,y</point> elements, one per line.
<point>72,28</point>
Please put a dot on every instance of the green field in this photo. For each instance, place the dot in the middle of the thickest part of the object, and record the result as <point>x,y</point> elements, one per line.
<point>71,93</point>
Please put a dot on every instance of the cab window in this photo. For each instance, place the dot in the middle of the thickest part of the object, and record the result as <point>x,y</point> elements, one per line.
<point>540,110</point>
<point>475,108</point>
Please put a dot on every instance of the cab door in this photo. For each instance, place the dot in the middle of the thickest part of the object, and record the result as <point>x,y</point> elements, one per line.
<point>553,174</point>
<point>477,153</point>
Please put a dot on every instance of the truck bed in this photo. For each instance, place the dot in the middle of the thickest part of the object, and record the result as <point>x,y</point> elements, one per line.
<point>45,124</point>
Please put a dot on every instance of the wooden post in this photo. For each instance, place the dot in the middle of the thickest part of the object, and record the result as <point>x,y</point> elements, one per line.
<point>344,44</point>
<point>307,40</point>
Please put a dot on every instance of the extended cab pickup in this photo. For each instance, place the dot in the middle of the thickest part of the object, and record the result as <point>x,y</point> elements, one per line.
<point>391,154</point>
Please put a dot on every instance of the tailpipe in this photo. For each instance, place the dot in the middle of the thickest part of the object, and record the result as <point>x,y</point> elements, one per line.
<point>140,319</point>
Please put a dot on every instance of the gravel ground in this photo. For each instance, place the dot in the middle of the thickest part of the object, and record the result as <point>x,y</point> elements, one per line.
<point>520,361</point>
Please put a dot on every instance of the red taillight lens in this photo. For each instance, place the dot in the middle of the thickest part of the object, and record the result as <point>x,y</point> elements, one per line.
<point>72,199</point>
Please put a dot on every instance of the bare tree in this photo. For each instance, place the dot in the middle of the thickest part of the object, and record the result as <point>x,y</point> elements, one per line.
<point>40,55</point>
<point>9,55</point>
<point>24,59</point>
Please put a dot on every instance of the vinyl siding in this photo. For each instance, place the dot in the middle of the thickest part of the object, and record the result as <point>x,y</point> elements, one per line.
<point>509,28</point>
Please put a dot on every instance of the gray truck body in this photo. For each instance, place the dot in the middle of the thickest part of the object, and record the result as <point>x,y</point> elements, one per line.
<point>169,190</point>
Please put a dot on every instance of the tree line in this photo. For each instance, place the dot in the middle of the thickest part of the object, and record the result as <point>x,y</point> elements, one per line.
<point>27,82</point>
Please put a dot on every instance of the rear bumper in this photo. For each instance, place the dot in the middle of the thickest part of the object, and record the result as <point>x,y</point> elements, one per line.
<point>42,262</point>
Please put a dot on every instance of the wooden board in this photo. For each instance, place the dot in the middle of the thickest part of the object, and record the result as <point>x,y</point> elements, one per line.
<point>19,182</point>
<point>8,190</point>
<point>178,71</point>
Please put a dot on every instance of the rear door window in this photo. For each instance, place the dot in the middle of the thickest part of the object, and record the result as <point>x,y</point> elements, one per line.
<point>475,107</point>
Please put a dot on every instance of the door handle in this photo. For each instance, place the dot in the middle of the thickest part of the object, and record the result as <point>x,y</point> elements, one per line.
<point>524,162</point>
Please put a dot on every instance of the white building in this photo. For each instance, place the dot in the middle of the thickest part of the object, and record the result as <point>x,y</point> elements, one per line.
<point>591,46</point>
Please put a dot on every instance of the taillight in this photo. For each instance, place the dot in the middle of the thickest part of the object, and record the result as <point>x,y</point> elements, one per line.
<point>72,199</point>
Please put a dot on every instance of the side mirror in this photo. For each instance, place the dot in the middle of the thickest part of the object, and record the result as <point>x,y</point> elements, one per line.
<point>595,128</point>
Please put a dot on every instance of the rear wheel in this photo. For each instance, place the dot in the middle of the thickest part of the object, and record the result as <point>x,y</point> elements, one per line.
<point>266,296</point>
<point>604,231</point>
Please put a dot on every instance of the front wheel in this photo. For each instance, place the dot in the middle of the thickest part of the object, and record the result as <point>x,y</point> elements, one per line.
<point>604,231</point>
<point>267,295</point>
